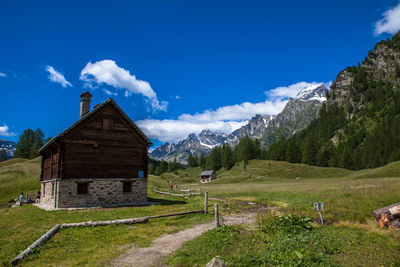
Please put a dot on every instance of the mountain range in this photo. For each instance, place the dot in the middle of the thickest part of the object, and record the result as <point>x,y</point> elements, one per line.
<point>9,146</point>
<point>296,115</point>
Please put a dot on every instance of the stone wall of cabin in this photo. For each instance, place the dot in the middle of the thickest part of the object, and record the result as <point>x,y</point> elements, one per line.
<point>47,196</point>
<point>102,192</point>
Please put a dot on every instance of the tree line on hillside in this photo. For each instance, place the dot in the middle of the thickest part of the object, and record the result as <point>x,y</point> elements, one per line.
<point>362,132</point>
<point>158,167</point>
<point>220,157</point>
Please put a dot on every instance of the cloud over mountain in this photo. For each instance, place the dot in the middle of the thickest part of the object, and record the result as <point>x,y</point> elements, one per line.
<point>4,131</point>
<point>224,119</point>
<point>390,23</point>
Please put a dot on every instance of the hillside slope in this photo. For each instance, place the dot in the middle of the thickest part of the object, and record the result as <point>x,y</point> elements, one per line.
<point>358,126</point>
<point>19,175</point>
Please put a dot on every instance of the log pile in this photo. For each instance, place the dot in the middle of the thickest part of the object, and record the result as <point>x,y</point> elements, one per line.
<point>388,216</point>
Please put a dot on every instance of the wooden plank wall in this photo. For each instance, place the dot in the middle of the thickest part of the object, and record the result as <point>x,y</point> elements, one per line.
<point>51,165</point>
<point>106,146</point>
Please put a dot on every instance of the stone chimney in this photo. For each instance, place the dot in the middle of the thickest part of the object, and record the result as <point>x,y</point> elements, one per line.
<point>85,103</point>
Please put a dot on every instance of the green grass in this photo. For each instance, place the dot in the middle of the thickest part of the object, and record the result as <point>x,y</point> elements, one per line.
<point>16,176</point>
<point>344,199</point>
<point>263,170</point>
<point>349,198</point>
<point>288,241</point>
<point>389,170</point>
<point>93,246</point>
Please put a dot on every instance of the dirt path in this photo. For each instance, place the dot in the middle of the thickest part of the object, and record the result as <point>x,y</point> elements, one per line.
<point>167,244</point>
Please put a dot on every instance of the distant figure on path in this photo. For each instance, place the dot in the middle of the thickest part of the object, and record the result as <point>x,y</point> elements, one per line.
<point>21,199</point>
<point>171,186</point>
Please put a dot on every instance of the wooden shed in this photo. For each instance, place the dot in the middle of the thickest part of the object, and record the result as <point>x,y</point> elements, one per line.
<point>208,176</point>
<point>100,160</point>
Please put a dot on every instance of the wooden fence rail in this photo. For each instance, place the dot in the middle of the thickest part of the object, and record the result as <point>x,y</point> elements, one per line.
<point>167,193</point>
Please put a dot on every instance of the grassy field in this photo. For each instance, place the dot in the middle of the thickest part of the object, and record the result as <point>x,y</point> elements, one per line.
<point>286,242</point>
<point>16,176</point>
<point>352,238</point>
<point>93,246</point>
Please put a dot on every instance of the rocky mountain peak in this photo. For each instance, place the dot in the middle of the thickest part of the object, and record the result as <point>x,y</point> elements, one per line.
<point>314,92</point>
<point>296,115</point>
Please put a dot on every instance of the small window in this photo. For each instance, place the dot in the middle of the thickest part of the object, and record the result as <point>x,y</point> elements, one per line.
<point>108,124</point>
<point>141,174</point>
<point>52,189</point>
<point>127,187</point>
<point>82,188</point>
<point>44,190</point>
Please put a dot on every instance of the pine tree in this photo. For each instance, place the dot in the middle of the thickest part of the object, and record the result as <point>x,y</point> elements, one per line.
<point>151,168</point>
<point>25,144</point>
<point>161,168</point>
<point>213,161</point>
<point>346,160</point>
<point>3,155</point>
<point>202,161</point>
<point>227,160</point>
<point>293,153</point>
<point>37,144</point>
<point>174,165</point>
<point>192,161</point>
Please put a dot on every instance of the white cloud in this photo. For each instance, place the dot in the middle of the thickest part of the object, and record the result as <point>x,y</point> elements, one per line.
<point>108,92</point>
<point>283,92</point>
<point>178,97</point>
<point>238,112</point>
<point>57,77</point>
<point>4,131</point>
<point>108,72</point>
<point>390,23</point>
<point>2,74</point>
<point>173,131</point>
<point>224,119</point>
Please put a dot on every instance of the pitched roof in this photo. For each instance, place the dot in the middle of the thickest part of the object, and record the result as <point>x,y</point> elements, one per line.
<point>206,173</point>
<point>89,114</point>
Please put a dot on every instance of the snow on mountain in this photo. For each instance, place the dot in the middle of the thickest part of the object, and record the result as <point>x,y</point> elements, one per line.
<point>314,92</point>
<point>296,115</point>
<point>9,147</point>
<point>194,144</point>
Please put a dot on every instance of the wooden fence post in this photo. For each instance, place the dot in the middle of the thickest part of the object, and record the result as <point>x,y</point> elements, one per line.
<point>216,215</point>
<point>206,202</point>
<point>190,192</point>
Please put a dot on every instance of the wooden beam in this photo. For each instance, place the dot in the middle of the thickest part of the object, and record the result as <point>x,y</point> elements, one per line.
<point>167,193</point>
<point>104,223</point>
<point>37,243</point>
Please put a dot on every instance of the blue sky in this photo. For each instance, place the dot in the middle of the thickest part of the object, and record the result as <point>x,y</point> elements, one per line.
<point>175,67</point>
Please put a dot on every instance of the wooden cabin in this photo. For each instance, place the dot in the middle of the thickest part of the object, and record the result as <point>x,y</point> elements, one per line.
<point>208,176</point>
<point>100,160</point>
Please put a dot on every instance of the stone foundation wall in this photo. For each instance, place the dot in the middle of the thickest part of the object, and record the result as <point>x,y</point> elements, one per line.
<point>102,192</point>
<point>46,196</point>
